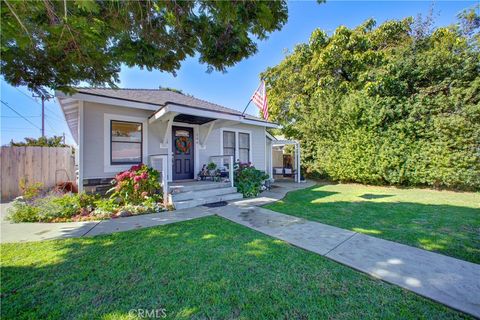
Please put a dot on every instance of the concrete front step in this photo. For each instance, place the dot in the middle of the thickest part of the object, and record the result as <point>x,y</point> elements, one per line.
<point>201,201</point>
<point>200,194</point>
<point>196,186</point>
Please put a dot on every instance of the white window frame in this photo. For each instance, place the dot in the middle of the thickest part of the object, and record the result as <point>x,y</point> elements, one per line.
<point>237,150</point>
<point>107,118</point>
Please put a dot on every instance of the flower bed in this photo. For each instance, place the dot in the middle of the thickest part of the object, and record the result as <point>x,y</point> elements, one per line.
<point>135,191</point>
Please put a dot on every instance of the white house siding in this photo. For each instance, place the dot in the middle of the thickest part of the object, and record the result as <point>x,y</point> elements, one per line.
<point>94,137</point>
<point>258,143</point>
<point>93,147</point>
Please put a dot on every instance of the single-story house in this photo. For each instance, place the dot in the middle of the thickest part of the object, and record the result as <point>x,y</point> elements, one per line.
<point>175,133</point>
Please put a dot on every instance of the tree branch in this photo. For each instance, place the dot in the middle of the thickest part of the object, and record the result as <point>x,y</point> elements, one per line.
<point>18,19</point>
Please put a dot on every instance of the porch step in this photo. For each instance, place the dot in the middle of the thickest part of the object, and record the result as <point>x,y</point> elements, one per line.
<point>201,201</point>
<point>177,188</point>
<point>201,194</point>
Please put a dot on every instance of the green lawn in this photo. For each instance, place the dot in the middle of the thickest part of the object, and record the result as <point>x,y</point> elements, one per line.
<point>442,221</point>
<point>207,268</point>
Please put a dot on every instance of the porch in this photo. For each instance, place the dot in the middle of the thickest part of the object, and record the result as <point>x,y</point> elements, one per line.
<point>285,161</point>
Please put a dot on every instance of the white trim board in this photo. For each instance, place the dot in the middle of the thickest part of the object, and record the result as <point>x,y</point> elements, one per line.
<point>107,117</point>
<point>109,101</point>
<point>81,141</point>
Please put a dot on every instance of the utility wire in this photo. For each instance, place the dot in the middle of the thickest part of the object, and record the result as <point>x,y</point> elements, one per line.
<point>33,124</point>
<point>48,123</point>
<point>52,113</point>
<point>19,117</point>
<point>26,95</point>
<point>35,100</point>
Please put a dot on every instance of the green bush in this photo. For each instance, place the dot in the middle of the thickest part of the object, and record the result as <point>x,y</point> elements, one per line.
<point>51,208</point>
<point>87,200</point>
<point>22,212</point>
<point>396,104</point>
<point>30,190</point>
<point>105,206</point>
<point>248,180</point>
<point>60,208</point>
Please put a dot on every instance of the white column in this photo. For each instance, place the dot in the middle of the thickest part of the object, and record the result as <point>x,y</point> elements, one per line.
<point>297,149</point>
<point>230,170</point>
<point>81,142</point>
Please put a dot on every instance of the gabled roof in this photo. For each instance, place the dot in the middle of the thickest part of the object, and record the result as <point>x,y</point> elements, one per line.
<point>155,100</point>
<point>158,97</point>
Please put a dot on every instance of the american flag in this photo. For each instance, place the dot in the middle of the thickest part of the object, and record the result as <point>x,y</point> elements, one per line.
<point>260,99</point>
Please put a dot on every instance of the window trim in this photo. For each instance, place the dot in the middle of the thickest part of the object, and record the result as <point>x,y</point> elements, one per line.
<point>234,143</point>
<point>237,131</point>
<point>240,148</point>
<point>116,163</point>
<point>108,168</point>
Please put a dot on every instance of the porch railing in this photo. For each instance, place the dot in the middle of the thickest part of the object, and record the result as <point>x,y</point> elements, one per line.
<point>159,163</point>
<point>220,162</point>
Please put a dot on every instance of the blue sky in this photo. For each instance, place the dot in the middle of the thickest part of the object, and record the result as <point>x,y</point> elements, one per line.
<point>233,88</point>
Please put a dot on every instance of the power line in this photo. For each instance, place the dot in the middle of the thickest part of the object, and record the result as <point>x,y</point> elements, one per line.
<point>33,124</point>
<point>53,114</point>
<point>19,117</point>
<point>26,95</point>
<point>35,100</point>
<point>48,123</point>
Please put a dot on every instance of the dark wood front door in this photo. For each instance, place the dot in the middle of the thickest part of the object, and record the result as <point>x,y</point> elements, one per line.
<point>183,153</point>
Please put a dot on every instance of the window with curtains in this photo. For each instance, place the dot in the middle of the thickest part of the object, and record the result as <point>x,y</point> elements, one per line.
<point>244,147</point>
<point>229,144</point>
<point>125,142</point>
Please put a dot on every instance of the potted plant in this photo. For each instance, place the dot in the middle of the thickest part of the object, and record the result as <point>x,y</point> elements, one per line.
<point>211,167</point>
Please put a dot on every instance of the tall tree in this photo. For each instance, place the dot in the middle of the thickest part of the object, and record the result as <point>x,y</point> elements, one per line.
<point>57,44</point>
<point>396,104</point>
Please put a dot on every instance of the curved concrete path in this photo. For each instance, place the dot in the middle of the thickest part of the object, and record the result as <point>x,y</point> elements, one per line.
<point>453,282</point>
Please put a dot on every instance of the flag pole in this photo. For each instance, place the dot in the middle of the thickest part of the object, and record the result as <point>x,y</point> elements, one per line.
<point>246,106</point>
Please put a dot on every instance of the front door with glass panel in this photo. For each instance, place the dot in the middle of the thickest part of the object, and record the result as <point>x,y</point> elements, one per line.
<point>183,153</point>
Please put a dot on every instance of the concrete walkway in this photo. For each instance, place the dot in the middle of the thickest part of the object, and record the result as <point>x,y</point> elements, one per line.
<point>24,232</point>
<point>453,282</point>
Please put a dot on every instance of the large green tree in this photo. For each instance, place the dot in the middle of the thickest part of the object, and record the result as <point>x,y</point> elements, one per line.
<point>57,44</point>
<point>395,104</point>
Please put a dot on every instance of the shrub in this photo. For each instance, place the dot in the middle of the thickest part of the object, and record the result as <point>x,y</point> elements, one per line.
<point>30,191</point>
<point>21,211</point>
<point>248,180</point>
<point>88,201</point>
<point>58,208</point>
<point>47,209</point>
<point>386,105</point>
<point>105,206</point>
<point>135,185</point>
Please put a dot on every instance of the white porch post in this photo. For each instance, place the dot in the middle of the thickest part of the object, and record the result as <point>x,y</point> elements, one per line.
<point>297,150</point>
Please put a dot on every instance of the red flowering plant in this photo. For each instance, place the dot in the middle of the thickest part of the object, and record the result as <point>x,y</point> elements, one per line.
<point>138,184</point>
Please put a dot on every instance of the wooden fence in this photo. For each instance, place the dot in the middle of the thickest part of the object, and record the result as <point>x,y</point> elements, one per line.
<point>35,164</point>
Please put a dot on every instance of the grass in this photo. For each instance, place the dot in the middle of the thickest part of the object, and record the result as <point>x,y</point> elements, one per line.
<point>206,268</point>
<point>441,221</point>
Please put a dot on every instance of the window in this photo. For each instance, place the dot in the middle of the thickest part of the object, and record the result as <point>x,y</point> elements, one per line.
<point>229,144</point>
<point>237,144</point>
<point>244,147</point>
<point>126,142</point>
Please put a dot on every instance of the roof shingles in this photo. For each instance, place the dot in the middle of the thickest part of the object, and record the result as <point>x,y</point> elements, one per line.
<point>158,97</point>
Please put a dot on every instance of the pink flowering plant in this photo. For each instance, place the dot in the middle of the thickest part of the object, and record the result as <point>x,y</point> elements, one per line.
<point>137,185</point>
